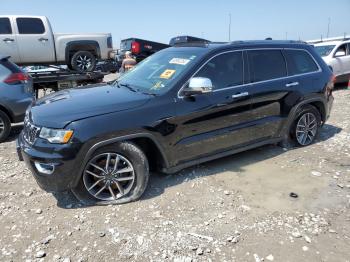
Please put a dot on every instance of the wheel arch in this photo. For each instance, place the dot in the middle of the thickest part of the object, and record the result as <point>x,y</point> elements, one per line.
<point>318,103</point>
<point>7,112</point>
<point>147,143</point>
<point>82,45</point>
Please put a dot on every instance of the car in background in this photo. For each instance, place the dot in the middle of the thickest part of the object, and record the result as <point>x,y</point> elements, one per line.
<point>139,48</point>
<point>184,106</point>
<point>337,56</point>
<point>29,40</point>
<point>16,94</point>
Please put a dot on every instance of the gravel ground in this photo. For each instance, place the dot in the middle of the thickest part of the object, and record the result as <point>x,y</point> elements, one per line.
<point>234,209</point>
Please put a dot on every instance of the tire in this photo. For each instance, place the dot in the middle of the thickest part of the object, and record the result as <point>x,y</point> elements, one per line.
<point>305,127</point>
<point>129,155</point>
<point>83,61</point>
<point>5,126</point>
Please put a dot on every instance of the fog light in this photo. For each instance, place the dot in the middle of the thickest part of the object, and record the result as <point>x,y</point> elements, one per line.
<point>45,168</point>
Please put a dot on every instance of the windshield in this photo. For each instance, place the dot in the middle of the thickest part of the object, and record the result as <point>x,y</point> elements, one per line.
<point>324,50</point>
<point>157,73</point>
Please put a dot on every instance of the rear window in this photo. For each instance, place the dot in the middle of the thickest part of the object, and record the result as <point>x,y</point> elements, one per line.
<point>324,50</point>
<point>266,65</point>
<point>4,72</point>
<point>299,62</point>
<point>125,45</point>
<point>30,26</point>
<point>5,26</point>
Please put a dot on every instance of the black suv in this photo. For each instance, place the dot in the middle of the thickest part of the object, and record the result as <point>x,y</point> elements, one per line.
<point>179,107</point>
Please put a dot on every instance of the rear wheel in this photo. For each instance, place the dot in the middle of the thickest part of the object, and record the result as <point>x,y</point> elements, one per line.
<point>306,125</point>
<point>83,61</point>
<point>5,126</point>
<point>114,175</point>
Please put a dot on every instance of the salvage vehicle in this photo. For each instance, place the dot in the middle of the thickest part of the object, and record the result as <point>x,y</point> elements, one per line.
<point>29,40</point>
<point>337,56</point>
<point>139,48</point>
<point>16,94</point>
<point>179,107</point>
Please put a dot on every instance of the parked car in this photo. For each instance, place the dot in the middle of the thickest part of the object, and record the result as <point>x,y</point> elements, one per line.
<point>16,94</point>
<point>29,40</point>
<point>337,56</point>
<point>139,48</point>
<point>181,107</point>
<point>184,39</point>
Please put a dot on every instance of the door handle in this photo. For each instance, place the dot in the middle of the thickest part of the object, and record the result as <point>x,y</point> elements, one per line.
<point>292,84</point>
<point>240,95</point>
<point>8,40</point>
<point>43,39</point>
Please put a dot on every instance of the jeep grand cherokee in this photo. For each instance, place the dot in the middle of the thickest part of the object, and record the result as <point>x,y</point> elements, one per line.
<point>179,107</point>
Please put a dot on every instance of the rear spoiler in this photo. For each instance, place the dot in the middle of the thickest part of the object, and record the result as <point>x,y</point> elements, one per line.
<point>3,58</point>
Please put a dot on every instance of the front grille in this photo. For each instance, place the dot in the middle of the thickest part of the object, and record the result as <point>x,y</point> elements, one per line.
<point>30,131</point>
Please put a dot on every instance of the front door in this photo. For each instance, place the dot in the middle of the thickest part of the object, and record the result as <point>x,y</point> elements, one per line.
<point>8,41</point>
<point>218,121</point>
<point>35,41</point>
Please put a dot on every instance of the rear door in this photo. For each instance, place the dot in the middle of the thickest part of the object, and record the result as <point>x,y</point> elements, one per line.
<point>35,40</point>
<point>8,41</point>
<point>268,73</point>
<point>341,64</point>
<point>217,121</point>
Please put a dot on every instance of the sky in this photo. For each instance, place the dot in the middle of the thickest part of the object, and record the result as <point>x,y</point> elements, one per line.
<point>159,20</point>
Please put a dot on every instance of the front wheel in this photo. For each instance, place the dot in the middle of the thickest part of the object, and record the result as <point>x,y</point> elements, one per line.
<point>83,61</point>
<point>306,126</point>
<point>114,175</point>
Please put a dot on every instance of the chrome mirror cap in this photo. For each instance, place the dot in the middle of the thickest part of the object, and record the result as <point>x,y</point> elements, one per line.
<point>198,85</point>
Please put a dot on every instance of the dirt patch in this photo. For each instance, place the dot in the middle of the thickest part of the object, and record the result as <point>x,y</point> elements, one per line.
<point>234,209</point>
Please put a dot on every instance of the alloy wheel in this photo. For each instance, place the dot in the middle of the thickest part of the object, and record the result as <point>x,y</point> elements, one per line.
<point>109,176</point>
<point>306,129</point>
<point>83,62</point>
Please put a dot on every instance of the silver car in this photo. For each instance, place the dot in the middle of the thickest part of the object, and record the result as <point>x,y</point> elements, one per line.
<point>16,94</point>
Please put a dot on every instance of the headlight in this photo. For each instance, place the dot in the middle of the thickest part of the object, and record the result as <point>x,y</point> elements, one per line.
<point>56,136</point>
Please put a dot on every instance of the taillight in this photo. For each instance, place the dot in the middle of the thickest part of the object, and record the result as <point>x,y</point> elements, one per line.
<point>15,78</point>
<point>333,78</point>
<point>135,47</point>
<point>109,42</point>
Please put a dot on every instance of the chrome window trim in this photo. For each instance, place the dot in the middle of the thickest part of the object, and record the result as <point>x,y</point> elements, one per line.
<point>250,84</point>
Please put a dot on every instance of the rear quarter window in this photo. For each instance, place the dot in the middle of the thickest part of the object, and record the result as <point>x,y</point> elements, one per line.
<point>30,26</point>
<point>299,62</point>
<point>5,26</point>
<point>266,65</point>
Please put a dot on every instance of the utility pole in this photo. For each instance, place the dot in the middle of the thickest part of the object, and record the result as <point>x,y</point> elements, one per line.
<point>329,22</point>
<point>286,35</point>
<point>229,27</point>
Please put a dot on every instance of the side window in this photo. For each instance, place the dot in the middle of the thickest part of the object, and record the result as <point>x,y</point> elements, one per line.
<point>224,70</point>
<point>30,26</point>
<point>5,26</point>
<point>342,48</point>
<point>266,65</point>
<point>299,62</point>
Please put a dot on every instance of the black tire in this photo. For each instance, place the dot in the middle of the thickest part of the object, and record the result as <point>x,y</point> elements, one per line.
<point>5,126</point>
<point>136,158</point>
<point>310,131</point>
<point>83,61</point>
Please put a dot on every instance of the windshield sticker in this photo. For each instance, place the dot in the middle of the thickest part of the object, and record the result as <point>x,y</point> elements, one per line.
<point>158,85</point>
<point>179,61</point>
<point>168,73</point>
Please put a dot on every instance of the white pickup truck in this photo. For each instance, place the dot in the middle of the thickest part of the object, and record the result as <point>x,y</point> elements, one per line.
<point>29,40</point>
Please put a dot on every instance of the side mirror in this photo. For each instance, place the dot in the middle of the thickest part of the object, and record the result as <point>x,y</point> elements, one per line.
<point>339,53</point>
<point>197,86</point>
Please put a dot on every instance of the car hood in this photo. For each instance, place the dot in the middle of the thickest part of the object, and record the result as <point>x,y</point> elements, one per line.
<point>60,108</point>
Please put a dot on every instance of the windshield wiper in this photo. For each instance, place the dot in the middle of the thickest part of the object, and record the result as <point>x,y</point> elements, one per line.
<point>127,86</point>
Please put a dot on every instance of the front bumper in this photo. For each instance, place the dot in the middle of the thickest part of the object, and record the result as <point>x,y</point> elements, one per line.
<point>64,158</point>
